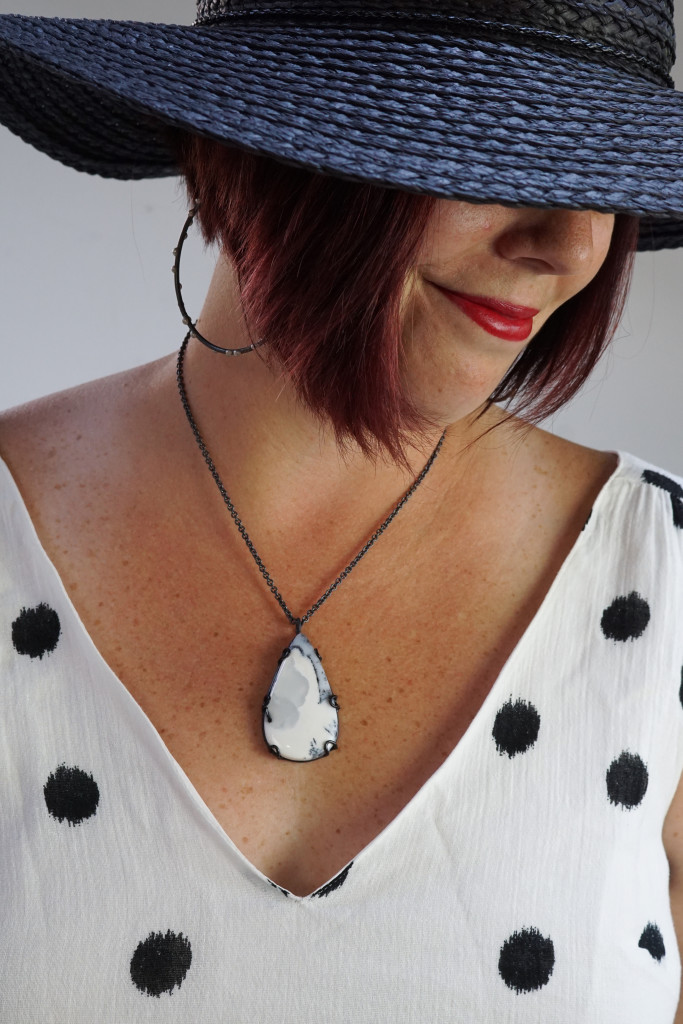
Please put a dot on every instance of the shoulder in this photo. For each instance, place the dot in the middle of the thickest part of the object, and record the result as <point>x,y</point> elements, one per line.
<point>91,410</point>
<point>31,435</point>
<point>638,505</point>
<point>57,442</point>
<point>664,480</point>
<point>655,491</point>
<point>628,486</point>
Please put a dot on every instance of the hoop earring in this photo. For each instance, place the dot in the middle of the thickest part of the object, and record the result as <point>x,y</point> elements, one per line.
<point>191,325</point>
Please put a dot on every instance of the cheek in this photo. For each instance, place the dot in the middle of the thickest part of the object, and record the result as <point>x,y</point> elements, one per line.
<point>603,229</point>
<point>455,227</point>
<point>455,218</point>
<point>449,372</point>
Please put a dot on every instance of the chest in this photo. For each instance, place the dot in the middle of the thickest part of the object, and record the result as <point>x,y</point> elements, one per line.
<point>412,643</point>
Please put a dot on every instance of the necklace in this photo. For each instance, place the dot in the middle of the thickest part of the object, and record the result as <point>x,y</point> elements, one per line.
<point>300,711</point>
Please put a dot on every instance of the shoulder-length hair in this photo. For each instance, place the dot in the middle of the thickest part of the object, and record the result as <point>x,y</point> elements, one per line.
<point>322,264</point>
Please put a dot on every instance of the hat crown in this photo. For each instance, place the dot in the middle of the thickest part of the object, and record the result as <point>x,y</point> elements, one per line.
<point>636,35</point>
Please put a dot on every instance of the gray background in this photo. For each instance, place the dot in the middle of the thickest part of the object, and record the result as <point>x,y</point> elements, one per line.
<point>86,287</point>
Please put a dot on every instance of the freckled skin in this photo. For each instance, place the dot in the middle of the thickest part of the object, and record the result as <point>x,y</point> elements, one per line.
<point>467,529</point>
<point>530,257</point>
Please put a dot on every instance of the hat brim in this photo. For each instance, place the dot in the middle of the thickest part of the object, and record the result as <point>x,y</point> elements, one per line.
<point>405,107</point>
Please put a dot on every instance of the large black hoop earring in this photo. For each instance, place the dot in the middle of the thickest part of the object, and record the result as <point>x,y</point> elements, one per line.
<point>191,325</point>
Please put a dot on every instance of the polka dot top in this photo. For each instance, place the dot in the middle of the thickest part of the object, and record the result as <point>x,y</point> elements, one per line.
<point>526,881</point>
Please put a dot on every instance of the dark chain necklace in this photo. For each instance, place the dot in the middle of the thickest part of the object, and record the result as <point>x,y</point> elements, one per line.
<point>300,712</point>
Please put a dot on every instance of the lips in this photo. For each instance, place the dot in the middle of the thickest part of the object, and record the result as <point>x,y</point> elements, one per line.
<point>501,319</point>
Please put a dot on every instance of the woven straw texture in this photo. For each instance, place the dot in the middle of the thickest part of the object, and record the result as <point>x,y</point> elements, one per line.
<point>633,31</point>
<point>418,104</point>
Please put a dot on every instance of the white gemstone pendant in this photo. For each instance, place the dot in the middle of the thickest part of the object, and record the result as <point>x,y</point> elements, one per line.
<point>300,720</point>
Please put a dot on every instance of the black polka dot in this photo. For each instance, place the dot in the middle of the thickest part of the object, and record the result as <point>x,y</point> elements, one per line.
<point>674,489</point>
<point>160,963</point>
<point>35,631</point>
<point>650,476</point>
<point>336,882</point>
<point>627,780</point>
<point>652,941</point>
<point>279,888</point>
<point>71,795</point>
<point>526,960</point>
<point>626,618</point>
<point>516,727</point>
<point>677,507</point>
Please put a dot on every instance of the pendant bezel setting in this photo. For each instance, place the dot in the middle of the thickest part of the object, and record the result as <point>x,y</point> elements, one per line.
<point>300,712</point>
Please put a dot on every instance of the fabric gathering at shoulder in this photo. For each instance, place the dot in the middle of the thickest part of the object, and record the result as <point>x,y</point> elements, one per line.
<point>648,516</point>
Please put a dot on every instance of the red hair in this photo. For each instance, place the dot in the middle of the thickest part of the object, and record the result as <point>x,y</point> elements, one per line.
<point>322,264</point>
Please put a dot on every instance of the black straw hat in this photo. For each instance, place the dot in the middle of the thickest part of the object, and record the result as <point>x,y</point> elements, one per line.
<point>551,103</point>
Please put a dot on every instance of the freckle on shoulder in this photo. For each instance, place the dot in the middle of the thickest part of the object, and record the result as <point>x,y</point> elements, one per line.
<point>56,438</point>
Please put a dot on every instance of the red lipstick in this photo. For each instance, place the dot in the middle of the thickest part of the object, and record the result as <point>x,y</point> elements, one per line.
<point>502,319</point>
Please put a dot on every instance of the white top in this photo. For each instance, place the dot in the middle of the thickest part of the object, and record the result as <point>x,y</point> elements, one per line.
<point>525,882</point>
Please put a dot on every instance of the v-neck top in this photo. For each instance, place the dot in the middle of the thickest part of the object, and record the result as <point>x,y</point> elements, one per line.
<point>526,881</point>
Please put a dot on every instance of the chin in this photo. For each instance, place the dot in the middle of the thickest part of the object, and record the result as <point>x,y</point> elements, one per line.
<point>442,414</point>
<point>454,395</point>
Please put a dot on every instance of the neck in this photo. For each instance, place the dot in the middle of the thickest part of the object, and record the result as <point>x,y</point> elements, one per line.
<point>275,457</point>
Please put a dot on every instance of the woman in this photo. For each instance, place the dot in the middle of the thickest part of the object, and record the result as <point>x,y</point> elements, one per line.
<point>487,700</point>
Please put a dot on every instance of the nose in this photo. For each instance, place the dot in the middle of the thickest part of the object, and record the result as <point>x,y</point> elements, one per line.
<point>550,241</point>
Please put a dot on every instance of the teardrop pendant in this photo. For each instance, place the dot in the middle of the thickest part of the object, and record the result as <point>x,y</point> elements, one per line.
<point>300,720</point>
